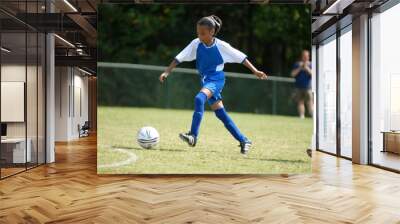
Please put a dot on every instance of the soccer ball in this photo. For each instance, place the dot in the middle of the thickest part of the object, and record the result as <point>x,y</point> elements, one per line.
<point>148,137</point>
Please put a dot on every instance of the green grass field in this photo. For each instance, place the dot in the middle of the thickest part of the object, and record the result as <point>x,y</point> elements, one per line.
<point>279,143</point>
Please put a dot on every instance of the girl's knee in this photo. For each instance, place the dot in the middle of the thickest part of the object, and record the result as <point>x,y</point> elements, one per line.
<point>207,92</point>
<point>199,101</point>
<point>200,98</point>
<point>217,105</point>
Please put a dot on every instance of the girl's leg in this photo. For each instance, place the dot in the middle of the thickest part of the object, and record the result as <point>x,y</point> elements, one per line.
<point>199,102</point>
<point>220,112</point>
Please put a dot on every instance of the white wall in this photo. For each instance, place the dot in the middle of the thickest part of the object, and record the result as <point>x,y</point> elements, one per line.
<point>13,72</point>
<point>62,82</point>
<point>12,100</point>
<point>71,102</point>
<point>33,126</point>
<point>80,110</point>
<point>16,73</point>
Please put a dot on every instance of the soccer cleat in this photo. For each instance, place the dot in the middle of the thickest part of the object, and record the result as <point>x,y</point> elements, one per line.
<point>245,147</point>
<point>188,138</point>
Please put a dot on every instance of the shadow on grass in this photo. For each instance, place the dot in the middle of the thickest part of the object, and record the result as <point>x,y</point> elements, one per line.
<point>172,150</point>
<point>155,149</point>
<point>278,160</point>
<point>125,147</point>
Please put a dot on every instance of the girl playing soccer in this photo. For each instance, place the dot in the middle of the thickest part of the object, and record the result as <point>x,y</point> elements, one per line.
<point>211,54</point>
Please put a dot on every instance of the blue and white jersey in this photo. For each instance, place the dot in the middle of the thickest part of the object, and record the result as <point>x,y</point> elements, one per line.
<point>210,60</point>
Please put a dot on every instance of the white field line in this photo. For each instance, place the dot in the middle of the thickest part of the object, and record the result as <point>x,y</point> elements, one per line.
<point>131,159</point>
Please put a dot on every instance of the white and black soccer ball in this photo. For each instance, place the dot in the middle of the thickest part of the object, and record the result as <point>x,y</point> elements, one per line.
<point>148,137</point>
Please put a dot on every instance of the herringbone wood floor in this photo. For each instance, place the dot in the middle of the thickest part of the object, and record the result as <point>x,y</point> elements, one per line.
<point>69,191</point>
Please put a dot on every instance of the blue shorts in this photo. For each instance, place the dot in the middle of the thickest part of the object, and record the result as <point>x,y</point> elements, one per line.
<point>216,89</point>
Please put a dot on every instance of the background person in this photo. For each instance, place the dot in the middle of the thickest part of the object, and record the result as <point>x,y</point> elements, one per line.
<point>302,73</point>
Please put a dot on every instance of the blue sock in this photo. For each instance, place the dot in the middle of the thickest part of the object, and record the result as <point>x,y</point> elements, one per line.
<point>224,117</point>
<point>199,102</point>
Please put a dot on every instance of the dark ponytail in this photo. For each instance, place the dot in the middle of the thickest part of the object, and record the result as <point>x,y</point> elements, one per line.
<point>213,22</point>
<point>218,23</point>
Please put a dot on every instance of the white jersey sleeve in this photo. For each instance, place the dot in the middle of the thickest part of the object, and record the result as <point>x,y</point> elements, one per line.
<point>230,54</point>
<point>189,52</point>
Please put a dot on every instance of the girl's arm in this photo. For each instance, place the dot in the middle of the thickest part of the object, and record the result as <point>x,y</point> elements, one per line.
<point>168,70</point>
<point>231,55</point>
<point>187,54</point>
<point>254,70</point>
